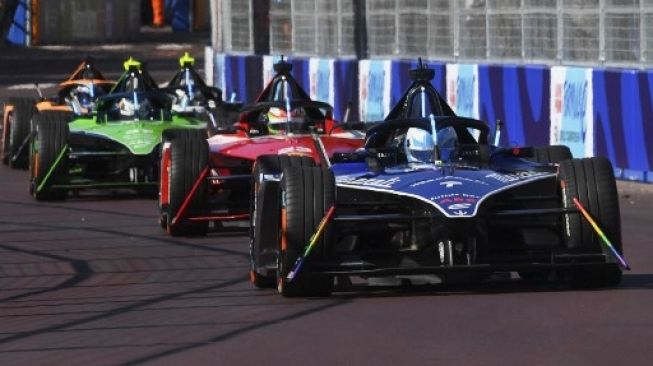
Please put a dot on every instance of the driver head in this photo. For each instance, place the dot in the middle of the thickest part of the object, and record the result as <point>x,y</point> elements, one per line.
<point>418,146</point>
<point>276,117</point>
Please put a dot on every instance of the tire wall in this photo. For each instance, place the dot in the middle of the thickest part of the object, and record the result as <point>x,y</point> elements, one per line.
<point>596,112</point>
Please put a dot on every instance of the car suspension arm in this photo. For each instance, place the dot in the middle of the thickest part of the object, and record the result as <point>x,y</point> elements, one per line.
<point>189,196</point>
<point>311,244</point>
<point>598,230</point>
<point>52,168</point>
<point>22,146</point>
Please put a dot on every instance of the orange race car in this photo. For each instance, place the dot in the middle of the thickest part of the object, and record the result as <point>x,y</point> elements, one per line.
<point>76,95</point>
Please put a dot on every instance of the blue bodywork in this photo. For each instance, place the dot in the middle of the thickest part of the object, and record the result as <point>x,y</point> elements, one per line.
<point>454,191</point>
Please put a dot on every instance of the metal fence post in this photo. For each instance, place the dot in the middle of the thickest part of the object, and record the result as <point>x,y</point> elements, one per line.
<point>560,31</point>
<point>643,41</point>
<point>601,59</point>
<point>456,31</point>
<point>360,29</point>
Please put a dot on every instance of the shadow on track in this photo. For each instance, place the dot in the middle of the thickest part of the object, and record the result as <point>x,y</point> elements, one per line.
<point>82,272</point>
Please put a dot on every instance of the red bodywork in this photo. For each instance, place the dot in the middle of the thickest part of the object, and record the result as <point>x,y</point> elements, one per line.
<point>232,154</point>
<point>242,147</point>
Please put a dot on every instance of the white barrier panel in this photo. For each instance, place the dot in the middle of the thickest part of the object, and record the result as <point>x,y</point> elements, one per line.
<point>320,73</point>
<point>462,89</point>
<point>208,65</point>
<point>374,89</point>
<point>268,67</point>
<point>572,115</point>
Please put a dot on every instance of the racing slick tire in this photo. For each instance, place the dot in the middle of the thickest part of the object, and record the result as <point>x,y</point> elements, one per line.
<point>48,160</point>
<point>189,153</point>
<point>264,218</point>
<point>592,181</point>
<point>307,194</point>
<point>551,154</point>
<point>18,129</point>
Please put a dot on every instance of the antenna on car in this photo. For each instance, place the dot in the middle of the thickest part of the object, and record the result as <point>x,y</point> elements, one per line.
<point>282,67</point>
<point>421,73</point>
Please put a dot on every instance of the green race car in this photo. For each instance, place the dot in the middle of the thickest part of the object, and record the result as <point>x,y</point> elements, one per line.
<point>118,146</point>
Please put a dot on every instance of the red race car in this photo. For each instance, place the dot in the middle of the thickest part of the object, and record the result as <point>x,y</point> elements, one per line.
<point>205,181</point>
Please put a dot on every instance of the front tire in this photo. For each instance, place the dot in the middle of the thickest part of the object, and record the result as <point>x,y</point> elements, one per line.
<point>48,155</point>
<point>264,218</point>
<point>307,194</point>
<point>592,182</point>
<point>19,121</point>
<point>188,159</point>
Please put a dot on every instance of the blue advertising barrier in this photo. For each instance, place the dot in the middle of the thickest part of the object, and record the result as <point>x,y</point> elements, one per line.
<point>345,85</point>
<point>519,96</point>
<point>243,75</point>
<point>177,14</point>
<point>623,109</point>
<point>18,32</point>
<point>619,102</point>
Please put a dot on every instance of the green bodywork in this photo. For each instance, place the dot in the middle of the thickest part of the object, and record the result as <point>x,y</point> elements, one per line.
<point>139,136</point>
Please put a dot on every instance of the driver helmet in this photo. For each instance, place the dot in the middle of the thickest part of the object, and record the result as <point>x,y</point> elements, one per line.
<point>418,146</point>
<point>83,95</point>
<point>276,117</point>
<point>126,107</point>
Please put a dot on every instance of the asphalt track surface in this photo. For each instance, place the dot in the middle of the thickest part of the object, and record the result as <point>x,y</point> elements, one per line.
<point>94,281</point>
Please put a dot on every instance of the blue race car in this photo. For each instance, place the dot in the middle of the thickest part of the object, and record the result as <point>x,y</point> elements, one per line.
<point>429,195</point>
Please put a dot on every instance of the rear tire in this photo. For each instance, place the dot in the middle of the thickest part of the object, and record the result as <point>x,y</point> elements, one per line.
<point>188,158</point>
<point>592,181</point>
<point>307,194</point>
<point>264,218</point>
<point>19,121</point>
<point>50,139</point>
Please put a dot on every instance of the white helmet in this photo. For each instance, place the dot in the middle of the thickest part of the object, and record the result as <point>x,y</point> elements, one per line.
<point>126,107</point>
<point>419,146</point>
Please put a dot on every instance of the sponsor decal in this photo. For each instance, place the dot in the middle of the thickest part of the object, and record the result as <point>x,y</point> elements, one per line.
<point>572,115</point>
<point>138,139</point>
<point>462,89</point>
<point>321,79</point>
<point>459,206</point>
<point>458,197</point>
<point>448,181</point>
<point>371,182</point>
<point>295,150</point>
<point>514,177</point>
<point>374,89</point>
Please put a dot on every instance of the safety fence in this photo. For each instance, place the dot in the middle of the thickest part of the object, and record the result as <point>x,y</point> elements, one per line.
<point>594,111</point>
<point>554,32</point>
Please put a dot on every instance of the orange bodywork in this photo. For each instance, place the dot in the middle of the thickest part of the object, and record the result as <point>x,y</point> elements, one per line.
<point>70,82</point>
<point>284,227</point>
<point>164,186</point>
<point>49,106</point>
<point>5,124</point>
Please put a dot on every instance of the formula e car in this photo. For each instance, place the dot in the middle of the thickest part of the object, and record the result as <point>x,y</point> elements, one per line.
<point>210,181</point>
<point>429,195</point>
<point>118,146</point>
<point>195,99</point>
<point>75,96</point>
